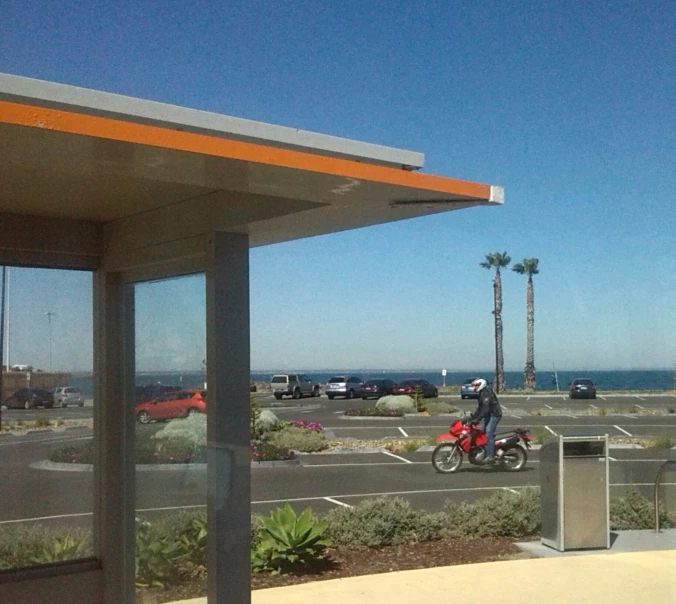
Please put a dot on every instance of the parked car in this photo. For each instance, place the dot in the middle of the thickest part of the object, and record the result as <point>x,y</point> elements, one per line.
<point>376,388</point>
<point>343,385</point>
<point>295,385</point>
<point>408,387</point>
<point>29,398</point>
<point>467,390</point>
<point>171,405</point>
<point>68,395</point>
<point>582,388</point>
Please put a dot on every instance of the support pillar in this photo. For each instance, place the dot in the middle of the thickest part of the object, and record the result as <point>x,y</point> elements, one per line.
<point>228,410</point>
<point>114,435</point>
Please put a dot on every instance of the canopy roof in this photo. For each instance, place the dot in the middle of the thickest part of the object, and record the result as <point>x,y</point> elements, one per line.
<point>72,153</point>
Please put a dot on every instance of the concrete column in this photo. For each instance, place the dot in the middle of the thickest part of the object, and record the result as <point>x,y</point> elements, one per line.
<point>114,529</point>
<point>228,409</point>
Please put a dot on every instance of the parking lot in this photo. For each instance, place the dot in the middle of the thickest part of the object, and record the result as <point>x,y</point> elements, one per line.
<point>324,481</point>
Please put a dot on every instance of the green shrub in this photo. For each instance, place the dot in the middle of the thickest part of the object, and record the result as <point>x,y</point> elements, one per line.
<point>192,430</point>
<point>81,452</point>
<point>504,514</point>
<point>288,540</point>
<point>661,442</point>
<point>440,407</point>
<point>299,439</point>
<point>382,521</point>
<point>541,435</point>
<point>262,450</point>
<point>42,422</point>
<point>27,545</point>
<point>267,421</point>
<point>634,512</point>
<point>63,548</point>
<point>404,403</point>
<point>156,556</point>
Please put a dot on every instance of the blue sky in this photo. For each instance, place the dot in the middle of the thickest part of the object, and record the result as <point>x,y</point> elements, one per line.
<point>569,105</point>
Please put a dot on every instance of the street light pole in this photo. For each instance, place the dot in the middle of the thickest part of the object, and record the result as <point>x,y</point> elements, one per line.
<point>50,314</point>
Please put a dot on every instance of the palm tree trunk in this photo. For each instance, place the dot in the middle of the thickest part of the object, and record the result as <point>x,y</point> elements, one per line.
<point>529,370</point>
<point>499,378</point>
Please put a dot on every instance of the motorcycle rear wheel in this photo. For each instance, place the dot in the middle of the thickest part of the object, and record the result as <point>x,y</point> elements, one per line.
<point>446,458</point>
<point>514,458</point>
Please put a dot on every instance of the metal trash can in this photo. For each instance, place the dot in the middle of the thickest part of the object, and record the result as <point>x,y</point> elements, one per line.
<point>575,493</point>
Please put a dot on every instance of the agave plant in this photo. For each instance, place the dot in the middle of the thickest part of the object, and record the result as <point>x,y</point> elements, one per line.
<point>288,540</point>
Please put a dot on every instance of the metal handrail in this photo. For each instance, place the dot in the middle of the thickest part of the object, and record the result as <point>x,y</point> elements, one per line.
<point>656,496</point>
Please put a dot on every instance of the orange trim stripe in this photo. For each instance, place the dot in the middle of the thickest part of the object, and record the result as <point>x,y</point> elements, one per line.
<point>114,129</point>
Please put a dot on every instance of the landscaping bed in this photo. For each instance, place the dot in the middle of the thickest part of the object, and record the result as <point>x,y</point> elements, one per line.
<point>342,563</point>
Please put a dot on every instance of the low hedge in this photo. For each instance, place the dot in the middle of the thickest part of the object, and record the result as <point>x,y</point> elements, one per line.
<point>171,549</point>
<point>373,412</point>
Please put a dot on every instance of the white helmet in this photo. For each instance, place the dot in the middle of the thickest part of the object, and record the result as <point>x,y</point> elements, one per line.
<point>479,384</point>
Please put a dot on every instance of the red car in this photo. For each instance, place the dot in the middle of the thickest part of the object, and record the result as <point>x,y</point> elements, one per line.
<point>408,387</point>
<point>171,405</point>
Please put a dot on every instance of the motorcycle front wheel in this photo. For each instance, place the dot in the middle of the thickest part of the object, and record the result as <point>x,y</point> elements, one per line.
<point>446,458</point>
<point>514,458</point>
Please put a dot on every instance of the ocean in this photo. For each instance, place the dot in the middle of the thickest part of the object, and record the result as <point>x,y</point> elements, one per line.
<point>644,379</point>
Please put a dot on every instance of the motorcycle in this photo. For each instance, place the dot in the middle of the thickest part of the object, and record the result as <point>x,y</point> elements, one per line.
<point>466,438</point>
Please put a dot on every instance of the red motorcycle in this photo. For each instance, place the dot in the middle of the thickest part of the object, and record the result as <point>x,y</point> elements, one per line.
<point>465,438</point>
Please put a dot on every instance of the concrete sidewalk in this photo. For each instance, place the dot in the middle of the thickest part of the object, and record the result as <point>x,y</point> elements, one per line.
<point>622,578</point>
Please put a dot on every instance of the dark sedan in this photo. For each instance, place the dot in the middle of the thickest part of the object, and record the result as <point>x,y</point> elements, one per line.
<point>29,398</point>
<point>409,386</point>
<point>376,388</point>
<point>582,388</point>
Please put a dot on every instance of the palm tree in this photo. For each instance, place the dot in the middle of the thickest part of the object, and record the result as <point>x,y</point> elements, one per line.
<point>529,267</point>
<point>497,261</point>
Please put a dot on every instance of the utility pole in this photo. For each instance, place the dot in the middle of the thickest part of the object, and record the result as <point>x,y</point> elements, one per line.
<point>49,315</point>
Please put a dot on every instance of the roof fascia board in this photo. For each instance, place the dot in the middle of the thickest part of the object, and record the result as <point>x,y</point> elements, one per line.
<point>93,102</point>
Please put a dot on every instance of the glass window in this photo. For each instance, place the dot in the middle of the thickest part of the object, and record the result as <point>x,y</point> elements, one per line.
<point>46,510</point>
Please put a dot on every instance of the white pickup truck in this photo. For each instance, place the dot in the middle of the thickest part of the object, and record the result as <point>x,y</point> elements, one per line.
<point>295,385</point>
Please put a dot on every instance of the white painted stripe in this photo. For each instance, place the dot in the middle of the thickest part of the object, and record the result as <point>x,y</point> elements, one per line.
<point>552,431</point>
<point>403,431</point>
<point>528,398</point>
<point>628,416</point>
<point>504,407</point>
<point>510,490</point>
<point>593,406</point>
<point>640,398</point>
<point>623,430</point>
<point>397,456</point>
<point>548,407</point>
<point>335,501</point>
<point>602,397</point>
<point>515,416</point>
<point>611,458</point>
<point>563,398</point>
<point>639,406</point>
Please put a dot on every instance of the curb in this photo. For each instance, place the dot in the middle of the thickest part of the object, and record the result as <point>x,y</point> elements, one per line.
<point>54,466</point>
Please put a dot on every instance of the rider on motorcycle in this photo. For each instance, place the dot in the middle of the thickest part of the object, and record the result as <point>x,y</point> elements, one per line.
<point>488,410</point>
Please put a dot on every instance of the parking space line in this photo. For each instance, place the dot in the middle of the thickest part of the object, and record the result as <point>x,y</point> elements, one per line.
<point>528,398</point>
<point>403,431</point>
<point>510,490</point>
<point>593,406</point>
<point>548,407</point>
<point>397,456</point>
<point>552,431</point>
<point>640,398</point>
<point>602,397</point>
<point>628,416</point>
<point>504,406</point>
<point>332,500</point>
<point>515,416</point>
<point>639,406</point>
<point>563,398</point>
<point>623,430</point>
<point>611,458</point>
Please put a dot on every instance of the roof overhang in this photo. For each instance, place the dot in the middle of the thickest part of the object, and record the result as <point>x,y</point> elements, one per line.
<point>110,163</point>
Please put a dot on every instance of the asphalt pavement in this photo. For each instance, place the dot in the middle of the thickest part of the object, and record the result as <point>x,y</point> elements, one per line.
<point>324,481</point>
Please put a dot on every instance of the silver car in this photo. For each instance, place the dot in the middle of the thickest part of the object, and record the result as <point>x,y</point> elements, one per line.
<point>68,395</point>
<point>343,385</point>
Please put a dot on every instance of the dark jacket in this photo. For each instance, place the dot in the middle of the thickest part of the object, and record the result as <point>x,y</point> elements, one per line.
<point>488,405</point>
